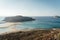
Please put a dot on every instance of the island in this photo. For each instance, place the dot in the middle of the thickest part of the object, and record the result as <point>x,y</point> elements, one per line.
<point>56,16</point>
<point>18,19</point>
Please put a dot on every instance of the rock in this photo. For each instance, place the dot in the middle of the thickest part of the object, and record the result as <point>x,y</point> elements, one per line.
<point>18,19</point>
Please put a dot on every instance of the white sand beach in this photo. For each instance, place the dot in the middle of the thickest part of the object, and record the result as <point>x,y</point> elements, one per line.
<point>8,24</point>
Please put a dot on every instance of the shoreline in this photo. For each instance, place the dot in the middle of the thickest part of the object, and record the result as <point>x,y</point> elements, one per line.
<point>8,24</point>
<point>26,30</point>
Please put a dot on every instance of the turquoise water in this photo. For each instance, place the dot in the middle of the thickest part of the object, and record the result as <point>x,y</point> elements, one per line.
<point>40,22</point>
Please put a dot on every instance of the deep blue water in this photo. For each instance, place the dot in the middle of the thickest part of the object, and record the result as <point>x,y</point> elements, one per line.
<point>40,22</point>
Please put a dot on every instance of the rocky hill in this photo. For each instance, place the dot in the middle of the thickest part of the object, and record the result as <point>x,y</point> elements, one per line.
<point>18,19</point>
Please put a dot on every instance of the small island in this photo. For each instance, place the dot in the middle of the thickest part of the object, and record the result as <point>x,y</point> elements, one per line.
<point>18,19</point>
<point>57,16</point>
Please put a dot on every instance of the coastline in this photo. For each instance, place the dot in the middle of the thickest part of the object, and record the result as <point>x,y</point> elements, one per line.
<point>13,30</point>
<point>8,24</point>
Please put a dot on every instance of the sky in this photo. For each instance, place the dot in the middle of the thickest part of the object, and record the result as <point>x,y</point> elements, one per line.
<point>29,7</point>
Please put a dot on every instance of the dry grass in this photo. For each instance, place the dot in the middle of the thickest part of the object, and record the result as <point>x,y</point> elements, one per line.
<point>31,35</point>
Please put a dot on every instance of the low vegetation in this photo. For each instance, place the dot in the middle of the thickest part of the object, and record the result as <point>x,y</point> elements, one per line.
<point>32,35</point>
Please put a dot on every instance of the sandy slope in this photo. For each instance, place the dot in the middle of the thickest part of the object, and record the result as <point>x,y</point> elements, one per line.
<point>32,35</point>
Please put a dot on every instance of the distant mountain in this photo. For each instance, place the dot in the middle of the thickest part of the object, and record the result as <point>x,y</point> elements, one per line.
<point>18,19</point>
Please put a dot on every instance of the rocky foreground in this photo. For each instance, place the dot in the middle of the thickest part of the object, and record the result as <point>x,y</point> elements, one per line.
<point>32,35</point>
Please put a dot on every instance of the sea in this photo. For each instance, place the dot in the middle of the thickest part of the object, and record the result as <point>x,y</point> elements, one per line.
<point>40,22</point>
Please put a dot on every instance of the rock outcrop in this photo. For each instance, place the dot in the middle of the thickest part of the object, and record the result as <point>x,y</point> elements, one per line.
<point>18,19</point>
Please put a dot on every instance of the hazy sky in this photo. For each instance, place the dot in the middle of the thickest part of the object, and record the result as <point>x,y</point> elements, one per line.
<point>29,7</point>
